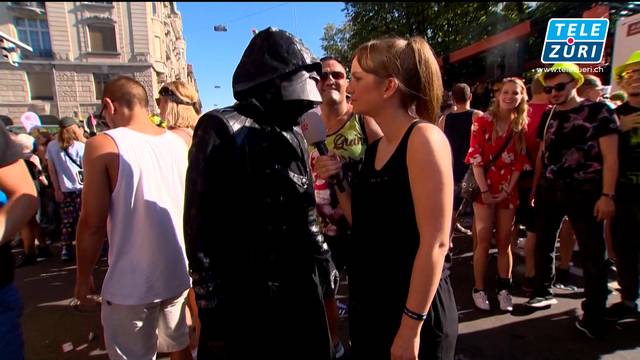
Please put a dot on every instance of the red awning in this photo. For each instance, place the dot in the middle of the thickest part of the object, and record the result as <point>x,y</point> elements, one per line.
<point>520,30</point>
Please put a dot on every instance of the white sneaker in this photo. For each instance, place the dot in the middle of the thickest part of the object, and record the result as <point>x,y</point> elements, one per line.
<point>481,300</point>
<point>506,302</point>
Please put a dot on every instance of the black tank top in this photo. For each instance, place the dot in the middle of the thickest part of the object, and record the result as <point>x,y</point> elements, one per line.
<point>457,128</point>
<point>385,230</point>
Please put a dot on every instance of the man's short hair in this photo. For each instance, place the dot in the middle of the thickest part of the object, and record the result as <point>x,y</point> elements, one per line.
<point>537,87</point>
<point>126,91</point>
<point>461,93</point>
<point>329,57</point>
<point>590,82</point>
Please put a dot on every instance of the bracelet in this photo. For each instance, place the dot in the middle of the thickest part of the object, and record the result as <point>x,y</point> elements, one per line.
<point>610,196</point>
<point>484,192</point>
<point>414,315</point>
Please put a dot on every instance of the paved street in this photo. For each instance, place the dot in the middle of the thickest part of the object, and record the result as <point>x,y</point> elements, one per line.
<point>49,321</point>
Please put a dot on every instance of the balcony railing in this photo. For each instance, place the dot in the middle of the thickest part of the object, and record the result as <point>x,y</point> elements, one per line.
<point>34,6</point>
<point>98,4</point>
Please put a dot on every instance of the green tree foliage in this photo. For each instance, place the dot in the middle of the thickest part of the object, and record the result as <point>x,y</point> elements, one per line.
<point>335,42</point>
<point>446,26</point>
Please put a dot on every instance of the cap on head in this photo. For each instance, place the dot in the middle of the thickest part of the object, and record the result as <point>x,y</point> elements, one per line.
<point>633,59</point>
<point>67,121</point>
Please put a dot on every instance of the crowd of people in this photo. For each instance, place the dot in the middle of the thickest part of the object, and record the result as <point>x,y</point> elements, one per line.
<point>228,232</point>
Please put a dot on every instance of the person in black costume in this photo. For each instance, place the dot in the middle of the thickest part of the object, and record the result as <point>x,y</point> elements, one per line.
<point>401,304</point>
<point>253,242</point>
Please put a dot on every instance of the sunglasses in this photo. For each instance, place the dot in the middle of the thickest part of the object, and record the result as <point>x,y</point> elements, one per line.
<point>166,92</point>
<point>335,75</point>
<point>559,87</point>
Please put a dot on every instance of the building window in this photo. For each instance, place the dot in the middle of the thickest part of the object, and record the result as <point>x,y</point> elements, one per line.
<point>102,38</point>
<point>154,9</point>
<point>156,47</point>
<point>34,33</point>
<point>99,82</point>
<point>40,85</point>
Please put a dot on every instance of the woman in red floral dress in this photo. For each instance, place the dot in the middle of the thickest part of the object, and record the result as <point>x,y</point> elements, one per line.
<point>495,207</point>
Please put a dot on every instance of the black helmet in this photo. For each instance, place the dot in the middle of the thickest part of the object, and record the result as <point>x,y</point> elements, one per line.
<point>271,54</point>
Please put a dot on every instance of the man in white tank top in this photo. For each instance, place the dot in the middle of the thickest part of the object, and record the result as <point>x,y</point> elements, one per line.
<point>134,192</point>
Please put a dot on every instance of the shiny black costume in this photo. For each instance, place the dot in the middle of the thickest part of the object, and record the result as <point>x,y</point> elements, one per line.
<point>252,239</point>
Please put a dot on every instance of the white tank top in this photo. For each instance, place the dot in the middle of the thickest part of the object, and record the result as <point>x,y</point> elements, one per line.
<point>147,258</point>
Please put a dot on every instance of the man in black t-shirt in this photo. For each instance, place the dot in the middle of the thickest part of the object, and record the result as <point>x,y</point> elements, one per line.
<point>456,125</point>
<point>21,206</point>
<point>624,226</point>
<point>575,176</point>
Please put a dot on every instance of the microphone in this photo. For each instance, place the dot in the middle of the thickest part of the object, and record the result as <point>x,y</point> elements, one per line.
<point>315,133</point>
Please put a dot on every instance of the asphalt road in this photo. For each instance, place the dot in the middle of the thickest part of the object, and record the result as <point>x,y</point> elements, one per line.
<point>49,321</point>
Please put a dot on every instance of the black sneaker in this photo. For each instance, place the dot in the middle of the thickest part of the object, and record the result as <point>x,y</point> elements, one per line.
<point>591,329</point>
<point>620,311</point>
<point>541,301</point>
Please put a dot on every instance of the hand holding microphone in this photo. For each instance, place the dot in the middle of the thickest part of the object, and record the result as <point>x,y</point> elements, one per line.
<point>328,164</point>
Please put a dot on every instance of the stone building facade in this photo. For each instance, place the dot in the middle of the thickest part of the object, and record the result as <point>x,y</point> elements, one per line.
<point>79,46</point>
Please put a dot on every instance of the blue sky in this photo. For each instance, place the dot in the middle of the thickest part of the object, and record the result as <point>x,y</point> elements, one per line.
<point>214,55</point>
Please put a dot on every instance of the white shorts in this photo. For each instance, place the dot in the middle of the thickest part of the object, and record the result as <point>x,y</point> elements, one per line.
<point>138,332</point>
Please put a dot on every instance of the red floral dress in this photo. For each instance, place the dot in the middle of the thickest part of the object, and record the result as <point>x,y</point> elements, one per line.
<point>499,174</point>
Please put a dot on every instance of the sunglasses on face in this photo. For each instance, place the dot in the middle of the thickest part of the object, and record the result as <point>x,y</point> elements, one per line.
<point>559,87</point>
<point>335,75</point>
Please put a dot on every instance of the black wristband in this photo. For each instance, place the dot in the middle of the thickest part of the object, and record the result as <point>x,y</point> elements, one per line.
<point>414,315</point>
<point>610,196</point>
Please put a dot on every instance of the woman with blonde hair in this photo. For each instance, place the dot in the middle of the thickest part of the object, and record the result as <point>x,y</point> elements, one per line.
<point>498,142</point>
<point>64,158</point>
<point>180,108</point>
<point>400,297</point>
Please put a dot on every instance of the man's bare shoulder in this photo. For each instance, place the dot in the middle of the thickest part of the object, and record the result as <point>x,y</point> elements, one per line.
<point>100,148</point>
<point>100,143</point>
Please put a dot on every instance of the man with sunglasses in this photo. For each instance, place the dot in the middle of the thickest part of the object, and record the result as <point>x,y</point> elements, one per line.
<point>627,219</point>
<point>576,174</point>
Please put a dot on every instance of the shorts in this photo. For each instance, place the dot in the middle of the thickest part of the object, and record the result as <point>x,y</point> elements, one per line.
<point>141,331</point>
